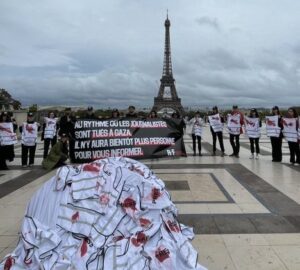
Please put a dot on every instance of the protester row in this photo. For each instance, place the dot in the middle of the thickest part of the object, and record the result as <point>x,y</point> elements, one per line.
<point>277,127</point>
<point>29,134</point>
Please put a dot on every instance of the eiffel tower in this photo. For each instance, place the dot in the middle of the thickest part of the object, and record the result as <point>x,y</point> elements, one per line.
<point>167,95</point>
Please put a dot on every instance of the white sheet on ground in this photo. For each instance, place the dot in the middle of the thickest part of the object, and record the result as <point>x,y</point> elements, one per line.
<point>113,213</point>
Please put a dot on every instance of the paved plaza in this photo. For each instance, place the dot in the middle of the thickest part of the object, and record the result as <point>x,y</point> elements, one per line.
<point>245,213</point>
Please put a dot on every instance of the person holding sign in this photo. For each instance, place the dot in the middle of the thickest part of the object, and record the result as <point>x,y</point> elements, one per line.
<point>290,132</point>
<point>235,120</point>
<point>252,126</point>
<point>8,138</point>
<point>58,154</point>
<point>115,113</point>
<point>49,134</point>
<point>216,122</point>
<point>29,131</point>
<point>153,114</point>
<point>131,112</point>
<point>274,131</point>
<point>66,126</point>
<point>90,114</point>
<point>197,124</point>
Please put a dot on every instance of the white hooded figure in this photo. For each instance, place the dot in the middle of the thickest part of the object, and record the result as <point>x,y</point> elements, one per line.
<point>196,124</point>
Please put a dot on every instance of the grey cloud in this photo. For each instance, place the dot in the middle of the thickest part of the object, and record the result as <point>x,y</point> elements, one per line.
<point>208,21</point>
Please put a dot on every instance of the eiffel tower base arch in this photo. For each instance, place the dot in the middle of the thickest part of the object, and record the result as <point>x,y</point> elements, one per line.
<point>160,104</point>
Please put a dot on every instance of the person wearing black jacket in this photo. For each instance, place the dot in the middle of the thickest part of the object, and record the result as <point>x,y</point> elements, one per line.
<point>90,114</point>
<point>115,113</point>
<point>218,134</point>
<point>276,142</point>
<point>66,126</point>
<point>131,112</point>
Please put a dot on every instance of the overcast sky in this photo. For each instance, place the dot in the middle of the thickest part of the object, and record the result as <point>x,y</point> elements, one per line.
<point>110,53</point>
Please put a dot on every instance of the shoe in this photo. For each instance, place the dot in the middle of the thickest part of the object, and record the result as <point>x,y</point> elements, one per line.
<point>237,156</point>
<point>257,156</point>
<point>214,153</point>
<point>200,155</point>
<point>30,165</point>
<point>194,154</point>
<point>232,155</point>
<point>251,156</point>
<point>24,166</point>
<point>223,154</point>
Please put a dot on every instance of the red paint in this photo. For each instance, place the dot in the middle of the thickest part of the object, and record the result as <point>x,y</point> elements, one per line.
<point>250,123</point>
<point>104,199</point>
<point>129,203</point>
<point>140,239</point>
<point>270,123</point>
<point>10,261</point>
<point>155,194</point>
<point>5,129</point>
<point>162,254</point>
<point>287,124</point>
<point>91,168</point>
<point>84,247</point>
<point>29,128</point>
<point>145,222</point>
<point>27,262</point>
<point>118,238</point>
<point>173,225</point>
<point>75,217</point>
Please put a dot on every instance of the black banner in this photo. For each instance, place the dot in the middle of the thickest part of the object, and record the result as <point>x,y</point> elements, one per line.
<point>128,137</point>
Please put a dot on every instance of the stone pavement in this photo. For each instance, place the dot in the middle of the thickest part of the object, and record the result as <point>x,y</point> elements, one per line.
<point>245,213</point>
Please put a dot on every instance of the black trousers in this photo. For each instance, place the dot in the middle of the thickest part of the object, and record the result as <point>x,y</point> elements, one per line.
<point>235,143</point>
<point>220,138</point>
<point>294,152</point>
<point>71,150</point>
<point>6,153</point>
<point>256,141</point>
<point>194,137</point>
<point>47,144</point>
<point>276,143</point>
<point>3,165</point>
<point>25,151</point>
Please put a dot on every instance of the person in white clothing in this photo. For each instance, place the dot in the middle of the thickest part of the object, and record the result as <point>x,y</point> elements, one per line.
<point>216,122</point>
<point>276,140</point>
<point>8,138</point>
<point>197,124</point>
<point>293,144</point>
<point>29,131</point>
<point>49,134</point>
<point>253,132</point>
<point>235,121</point>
